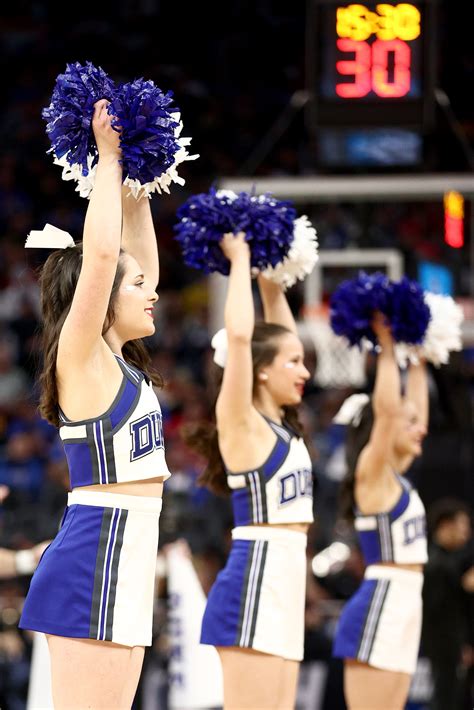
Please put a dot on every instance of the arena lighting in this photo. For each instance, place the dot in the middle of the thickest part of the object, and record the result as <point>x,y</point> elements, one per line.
<point>331,559</point>
<point>454,219</point>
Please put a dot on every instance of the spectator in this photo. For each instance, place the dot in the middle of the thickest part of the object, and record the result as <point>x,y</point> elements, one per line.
<point>13,381</point>
<point>447,594</point>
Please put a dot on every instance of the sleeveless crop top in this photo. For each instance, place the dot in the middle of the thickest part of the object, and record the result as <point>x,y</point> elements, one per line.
<point>398,536</point>
<point>281,490</point>
<point>123,444</point>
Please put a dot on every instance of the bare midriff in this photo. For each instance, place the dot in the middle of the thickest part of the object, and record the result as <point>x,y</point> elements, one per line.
<point>299,527</point>
<point>410,568</point>
<point>152,488</point>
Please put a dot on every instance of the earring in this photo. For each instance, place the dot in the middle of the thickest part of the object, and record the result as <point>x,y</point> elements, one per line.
<point>263,376</point>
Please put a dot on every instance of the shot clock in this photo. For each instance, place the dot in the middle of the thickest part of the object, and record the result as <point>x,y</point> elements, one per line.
<point>376,53</point>
<point>371,73</point>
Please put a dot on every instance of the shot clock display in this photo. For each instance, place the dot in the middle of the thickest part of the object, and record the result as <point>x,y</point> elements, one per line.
<point>376,52</point>
<point>372,51</point>
<point>371,76</point>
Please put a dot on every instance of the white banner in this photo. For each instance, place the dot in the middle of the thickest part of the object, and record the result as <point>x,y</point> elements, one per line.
<point>39,688</point>
<point>195,673</point>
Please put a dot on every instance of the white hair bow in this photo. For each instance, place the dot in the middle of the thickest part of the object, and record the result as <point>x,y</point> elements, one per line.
<point>220,344</point>
<point>49,238</point>
<point>351,410</point>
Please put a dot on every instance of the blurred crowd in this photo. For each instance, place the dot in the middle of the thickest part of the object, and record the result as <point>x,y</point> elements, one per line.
<point>228,101</point>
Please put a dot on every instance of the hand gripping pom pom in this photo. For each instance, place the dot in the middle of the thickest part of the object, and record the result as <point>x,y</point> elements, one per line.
<point>152,148</point>
<point>69,114</point>
<point>205,218</point>
<point>301,258</point>
<point>442,336</point>
<point>353,305</point>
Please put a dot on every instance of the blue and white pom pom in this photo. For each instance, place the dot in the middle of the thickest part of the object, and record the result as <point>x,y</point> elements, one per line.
<point>69,116</point>
<point>152,148</point>
<point>150,137</point>
<point>353,304</point>
<point>301,258</point>
<point>203,220</point>
<point>442,337</point>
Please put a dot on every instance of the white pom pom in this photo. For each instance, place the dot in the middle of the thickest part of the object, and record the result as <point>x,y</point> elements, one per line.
<point>220,344</point>
<point>301,258</point>
<point>442,336</point>
<point>444,331</point>
<point>407,354</point>
<point>85,183</point>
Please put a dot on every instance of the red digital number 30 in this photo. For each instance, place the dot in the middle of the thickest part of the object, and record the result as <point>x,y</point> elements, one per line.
<point>370,68</point>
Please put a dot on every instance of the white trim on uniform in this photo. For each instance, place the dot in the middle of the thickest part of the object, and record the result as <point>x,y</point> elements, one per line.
<point>365,522</point>
<point>107,564</point>
<point>252,591</point>
<point>72,432</point>
<point>255,489</point>
<point>130,371</point>
<point>372,620</point>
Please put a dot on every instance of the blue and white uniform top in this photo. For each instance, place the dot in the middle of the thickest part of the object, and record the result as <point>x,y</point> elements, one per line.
<point>397,536</point>
<point>123,444</point>
<point>279,491</point>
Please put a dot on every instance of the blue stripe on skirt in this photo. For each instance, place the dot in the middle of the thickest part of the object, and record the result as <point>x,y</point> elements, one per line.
<point>351,624</point>
<point>60,597</point>
<point>222,617</point>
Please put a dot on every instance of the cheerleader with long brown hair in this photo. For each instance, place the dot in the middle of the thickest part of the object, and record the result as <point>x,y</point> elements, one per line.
<point>255,610</point>
<point>92,594</point>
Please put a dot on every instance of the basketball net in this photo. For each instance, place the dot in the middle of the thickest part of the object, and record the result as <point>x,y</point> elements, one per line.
<point>337,364</point>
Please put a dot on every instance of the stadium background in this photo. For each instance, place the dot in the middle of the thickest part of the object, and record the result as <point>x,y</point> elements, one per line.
<point>235,70</point>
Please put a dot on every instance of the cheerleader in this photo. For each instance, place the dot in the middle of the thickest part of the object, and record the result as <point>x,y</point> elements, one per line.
<point>92,593</point>
<point>379,630</point>
<point>255,610</point>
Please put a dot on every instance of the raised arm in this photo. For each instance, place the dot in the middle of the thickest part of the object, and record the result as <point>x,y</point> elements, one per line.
<point>386,404</point>
<point>138,234</point>
<point>7,564</point>
<point>81,334</point>
<point>234,403</point>
<point>275,305</point>
<point>417,391</point>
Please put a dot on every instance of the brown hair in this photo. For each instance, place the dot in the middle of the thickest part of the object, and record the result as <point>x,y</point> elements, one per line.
<point>58,281</point>
<point>203,438</point>
<point>357,438</point>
